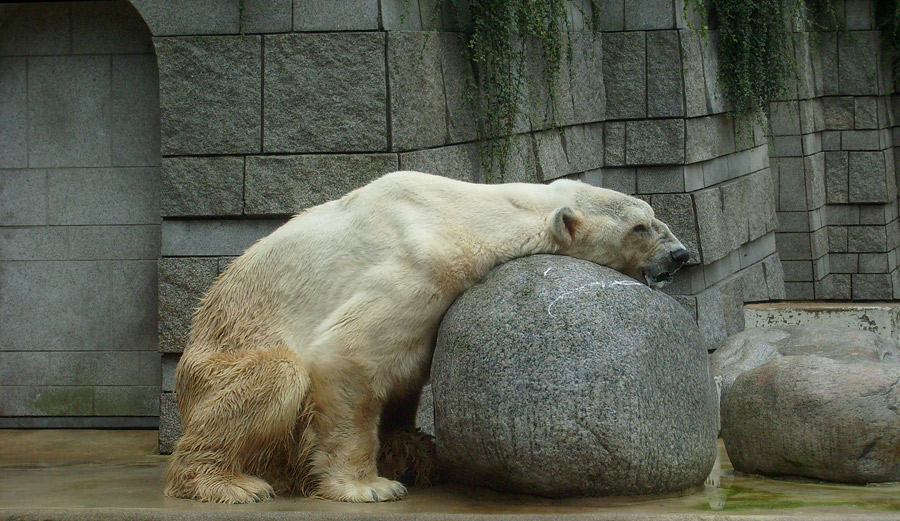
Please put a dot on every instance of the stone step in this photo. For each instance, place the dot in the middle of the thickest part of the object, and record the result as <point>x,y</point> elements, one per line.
<point>882,318</point>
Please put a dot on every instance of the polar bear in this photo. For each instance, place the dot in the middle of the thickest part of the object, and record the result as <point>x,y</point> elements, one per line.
<point>308,354</point>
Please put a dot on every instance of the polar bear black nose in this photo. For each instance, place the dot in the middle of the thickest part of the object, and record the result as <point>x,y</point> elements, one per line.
<point>680,256</point>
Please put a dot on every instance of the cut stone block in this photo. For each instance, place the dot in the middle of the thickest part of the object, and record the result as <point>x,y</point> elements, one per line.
<point>665,87</point>
<point>659,141</point>
<point>303,73</point>
<point>624,74</point>
<point>111,196</point>
<point>68,111</point>
<point>135,123</point>
<point>859,55</point>
<point>209,95</point>
<point>108,27</point>
<point>289,184</point>
<point>868,182</point>
<point>202,186</point>
<point>190,17</point>
<point>418,109</point>
<point>588,88</point>
<point>212,237</point>
<point>13,113</point>
<point>37,29</point>
<point>182,282</point>
<point>346,15</point>
<point>462,162</point>
<point>708,137</point>
<point>266,16</point>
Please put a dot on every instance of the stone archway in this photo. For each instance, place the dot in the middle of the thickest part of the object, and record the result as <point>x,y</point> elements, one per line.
<point>79,216</point>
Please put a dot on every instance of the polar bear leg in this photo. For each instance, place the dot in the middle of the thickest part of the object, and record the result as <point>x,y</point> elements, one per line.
<point>346,433</point>
<point>235,428</point>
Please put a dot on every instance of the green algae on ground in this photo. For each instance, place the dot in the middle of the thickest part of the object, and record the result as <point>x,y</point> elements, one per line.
<point>741,498</point>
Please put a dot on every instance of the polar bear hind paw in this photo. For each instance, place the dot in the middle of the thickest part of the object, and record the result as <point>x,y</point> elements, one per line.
<point>376,490</point>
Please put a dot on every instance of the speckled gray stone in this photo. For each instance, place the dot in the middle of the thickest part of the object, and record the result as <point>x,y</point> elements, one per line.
<point>816,417</point>
<point>560,377</point>
<point>756,346</point>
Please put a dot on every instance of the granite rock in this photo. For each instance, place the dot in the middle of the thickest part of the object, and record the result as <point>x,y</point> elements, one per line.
<point>560,377</point>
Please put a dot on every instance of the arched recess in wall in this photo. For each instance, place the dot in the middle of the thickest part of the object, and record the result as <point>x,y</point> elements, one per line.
<point>79,216</point>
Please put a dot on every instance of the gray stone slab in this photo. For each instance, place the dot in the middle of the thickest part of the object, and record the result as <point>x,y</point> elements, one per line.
<point>858,15</point>
<point>838,112</point>
<point>859,54</point>
<point>713,234</point>
<point>303,73</point>
<point>787,146</point>
<point>624,74</point>
<point>793,222</point>
<point>812,143</point>
<point>168,363</point>
<point>708,137</point>
<point>122,242</point>
<point>793,246</point>
<point>865,112</point>
<point>209,96</point>
<point>133,315</point>
<point>836,177</point>
<point>103,196</point>
<point>614,143</point>
<point>344,15</point>
<point>169,423</point>
<point>192,186</point>
<point>25,368</point>
<point>665,86</point>
<point>872,286</point>
<point>47,401</point>
<point>837,239</point>
<point>182,282</point>
<point>797,271</point>
<point>418,108</point>
<point>677,210</point>
<point>190,17</point>
<point>54,306</point>
<point>861,140</point>
<point>711,317</point>
<point>33,243</point>
<point>660,180</point>
<point>873,263</point>
<point>587,79</point>
<point>792,185</point>
<point>814,167</point>
<point>213,237</point>
<point>840,215</point>
<point>612,15</point>
<point>619,179</point>
<point>37,29</point>
<point>288,184</point>
<point>548,97</point>
<point>874,214</point>
<point>134,127</point>
<point>23,197</point>
<point>867,239</point>
<point>461,162</point>
<point>643,15</point>
<point>458,87</point>
<point>867,178</point>
<point>584,146</point>
<point>692,71</point>
<point>97,368</point>
<point>715,98</point>
<point>784,118</point>
<point>658,141</point>
<point>68,111</point>
<point>13,113</point>
<point>266,16</point>
<point>552,162</point>
<point>126,400</point>
<point>109,27</point>
<point>400,15</point>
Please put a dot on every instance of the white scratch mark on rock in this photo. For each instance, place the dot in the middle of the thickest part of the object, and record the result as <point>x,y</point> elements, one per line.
<point>580,288</point>
<point>548,270</point>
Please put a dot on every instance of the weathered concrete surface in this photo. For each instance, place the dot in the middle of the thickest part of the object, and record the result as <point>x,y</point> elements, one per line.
<point>67,475</point>
<point>881,317</point>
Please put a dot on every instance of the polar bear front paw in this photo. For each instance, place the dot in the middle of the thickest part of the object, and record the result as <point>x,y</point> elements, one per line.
<point>378,489</point>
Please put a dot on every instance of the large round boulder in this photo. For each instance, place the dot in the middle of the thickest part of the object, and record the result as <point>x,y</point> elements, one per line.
<point>756,346</point>
<point>837,420</point>
<point>559,377</point>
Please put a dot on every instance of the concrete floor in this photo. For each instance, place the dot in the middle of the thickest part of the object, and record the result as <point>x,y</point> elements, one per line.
<point>115,475</point>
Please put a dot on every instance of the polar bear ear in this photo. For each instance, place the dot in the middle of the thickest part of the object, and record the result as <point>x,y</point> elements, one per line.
<point>563,224</point>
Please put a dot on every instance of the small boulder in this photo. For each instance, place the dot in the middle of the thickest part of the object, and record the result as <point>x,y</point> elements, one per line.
<point>756,346</point>
<point>816,417</point>
<point>559,377</point>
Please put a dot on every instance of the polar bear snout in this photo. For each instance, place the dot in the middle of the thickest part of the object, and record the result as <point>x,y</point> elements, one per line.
<point>680,256</point>
<point>661,269</point>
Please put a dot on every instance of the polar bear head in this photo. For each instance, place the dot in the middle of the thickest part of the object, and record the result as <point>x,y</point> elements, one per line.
<point>617,231</point>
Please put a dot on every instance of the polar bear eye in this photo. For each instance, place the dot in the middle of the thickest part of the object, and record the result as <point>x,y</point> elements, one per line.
<point>639,229</point>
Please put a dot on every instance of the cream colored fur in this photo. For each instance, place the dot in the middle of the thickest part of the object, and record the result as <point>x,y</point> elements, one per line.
<point>327,325</point>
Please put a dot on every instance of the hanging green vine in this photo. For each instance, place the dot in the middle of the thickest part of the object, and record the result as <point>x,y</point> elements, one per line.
<point>498,41</point>
<point>757,64</point>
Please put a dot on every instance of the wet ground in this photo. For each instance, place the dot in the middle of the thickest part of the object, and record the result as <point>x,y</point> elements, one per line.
<point>85,475</point>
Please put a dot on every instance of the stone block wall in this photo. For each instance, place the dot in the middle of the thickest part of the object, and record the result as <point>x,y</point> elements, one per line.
<point>79,216</point>
<point>833,145</point>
